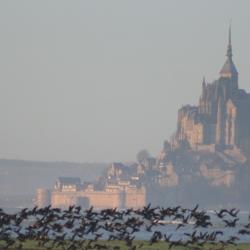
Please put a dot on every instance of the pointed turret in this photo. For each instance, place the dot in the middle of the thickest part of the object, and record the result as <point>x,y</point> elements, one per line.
<point>229,70</point>
<point>203,83</point>
<point>203,88</point>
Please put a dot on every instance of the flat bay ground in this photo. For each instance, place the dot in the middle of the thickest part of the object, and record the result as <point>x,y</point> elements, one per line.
<point>143,245</point>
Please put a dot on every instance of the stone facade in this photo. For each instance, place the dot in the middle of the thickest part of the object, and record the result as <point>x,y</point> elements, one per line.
<point>217,176</point>
<point>222,117</point>
<point>121,195</point>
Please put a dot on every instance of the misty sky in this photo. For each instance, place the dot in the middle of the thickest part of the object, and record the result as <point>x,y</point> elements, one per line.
<point>100,80</point>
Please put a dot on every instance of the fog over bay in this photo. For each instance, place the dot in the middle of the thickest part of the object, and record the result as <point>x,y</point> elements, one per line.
<point>97,81</point>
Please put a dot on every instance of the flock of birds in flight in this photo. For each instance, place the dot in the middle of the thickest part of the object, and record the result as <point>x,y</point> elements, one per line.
<point>75,228</point>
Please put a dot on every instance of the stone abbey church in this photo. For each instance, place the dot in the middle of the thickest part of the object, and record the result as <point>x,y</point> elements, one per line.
<point>222,118</point>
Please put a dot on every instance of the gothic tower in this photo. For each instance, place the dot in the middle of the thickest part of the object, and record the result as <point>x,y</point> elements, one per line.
<point>222,116</point>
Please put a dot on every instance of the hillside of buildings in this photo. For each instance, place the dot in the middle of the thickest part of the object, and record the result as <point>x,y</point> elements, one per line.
<point>185,176</point>
<point>211,177</point>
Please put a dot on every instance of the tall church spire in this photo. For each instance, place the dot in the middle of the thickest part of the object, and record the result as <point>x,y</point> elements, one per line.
<point>229,46</point>
<point>229,70</point>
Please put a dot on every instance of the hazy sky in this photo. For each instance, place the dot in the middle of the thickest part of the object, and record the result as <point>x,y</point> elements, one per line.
<point>100,80</point>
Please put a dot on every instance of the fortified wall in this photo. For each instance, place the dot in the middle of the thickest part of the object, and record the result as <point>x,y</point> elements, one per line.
<point>69,191</point>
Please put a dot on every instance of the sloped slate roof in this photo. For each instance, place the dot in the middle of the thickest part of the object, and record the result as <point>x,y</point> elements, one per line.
<point>228,68</point>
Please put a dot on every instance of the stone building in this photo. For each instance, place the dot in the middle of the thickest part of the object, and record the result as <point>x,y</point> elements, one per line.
<point>68,184</point>
<point>222,117</point>
<point>69,191</point>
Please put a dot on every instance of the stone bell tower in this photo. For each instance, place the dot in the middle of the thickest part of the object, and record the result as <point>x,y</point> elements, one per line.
<point>229,70</point>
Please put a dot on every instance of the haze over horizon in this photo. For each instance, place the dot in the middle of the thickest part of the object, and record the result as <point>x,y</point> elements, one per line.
<point>100,80</point>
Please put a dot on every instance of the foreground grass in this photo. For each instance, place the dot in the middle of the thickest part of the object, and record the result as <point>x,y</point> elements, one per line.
<point>144,245</point>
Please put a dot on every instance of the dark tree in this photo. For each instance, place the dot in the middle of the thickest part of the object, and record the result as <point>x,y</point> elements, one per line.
<point>142,156</point>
